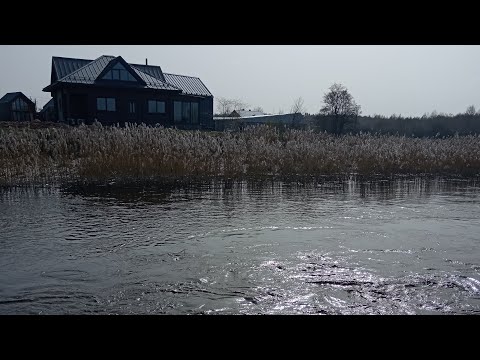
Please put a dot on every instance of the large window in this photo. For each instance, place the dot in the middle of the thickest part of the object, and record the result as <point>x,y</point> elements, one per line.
<point>194,113</point>
<point>119,72</point>
<point>131,107</point>
<point>177,111</point>
<point>106,104</point>
<point>155,107</point>
<point>185,111</point>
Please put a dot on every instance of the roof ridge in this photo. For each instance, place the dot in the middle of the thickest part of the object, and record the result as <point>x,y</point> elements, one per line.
<point>144,65</point>
<point>70,58</point>
<point>193,77</point>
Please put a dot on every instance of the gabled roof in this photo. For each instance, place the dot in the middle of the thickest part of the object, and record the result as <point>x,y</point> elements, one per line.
<point>188,84</point>
<point>88,73</point>
<point>8,97</point>
<point>48,105</point>
<point>153,82</point>
<point>64,66</point>
<point>152,70</point>
<point>81,71</point>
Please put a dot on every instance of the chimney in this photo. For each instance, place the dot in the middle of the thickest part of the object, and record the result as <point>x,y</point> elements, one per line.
<point>146,61</point>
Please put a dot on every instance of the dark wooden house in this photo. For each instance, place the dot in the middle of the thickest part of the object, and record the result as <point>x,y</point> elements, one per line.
<point>111,91</point>
<point>16,106</point>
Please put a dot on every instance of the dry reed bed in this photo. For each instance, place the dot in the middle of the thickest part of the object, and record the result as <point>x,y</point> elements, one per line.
<point>138,152</point>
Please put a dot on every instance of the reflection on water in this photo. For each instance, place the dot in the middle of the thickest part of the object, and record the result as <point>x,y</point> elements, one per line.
<point>332,247</point>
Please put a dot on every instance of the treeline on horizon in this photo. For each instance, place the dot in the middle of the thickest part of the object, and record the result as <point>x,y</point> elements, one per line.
<point>428,125</point>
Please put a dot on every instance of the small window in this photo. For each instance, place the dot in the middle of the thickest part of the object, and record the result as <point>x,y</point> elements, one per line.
<point>152,106</point>
<point>106,104</point>
<point>131,107</point>
<point>116,74</point>
<point>111,104</point>
<point>155,106</point>
<point>123,75</point>
<point>161,107</point>
<point>101,104</point>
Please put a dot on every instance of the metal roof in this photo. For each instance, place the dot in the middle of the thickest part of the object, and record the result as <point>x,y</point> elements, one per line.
<point>89,72</point>
<point>49,104</point>
<point>152,70</point>
<point>154,83</point>
<point>10,96</point>
<point>91,69</point>
<point>188,84</point>
<point>64,66</point>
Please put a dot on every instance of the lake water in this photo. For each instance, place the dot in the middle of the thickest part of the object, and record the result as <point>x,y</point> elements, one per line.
<point>382,247</point>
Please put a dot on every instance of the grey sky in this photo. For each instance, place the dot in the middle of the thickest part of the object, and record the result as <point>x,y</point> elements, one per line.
<point>407,80</point>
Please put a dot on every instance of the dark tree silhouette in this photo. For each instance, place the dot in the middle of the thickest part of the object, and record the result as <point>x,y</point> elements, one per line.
<point>339,104</point>
<point>297,110</point>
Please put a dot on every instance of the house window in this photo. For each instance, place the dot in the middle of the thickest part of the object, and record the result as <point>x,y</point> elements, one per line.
<point>177,111</point>
<point>131,107</point>
<point>186,112</point>
<point>106,104</point>
<point>155,106</point>
<point>118,72</point>
<point>194,112</point>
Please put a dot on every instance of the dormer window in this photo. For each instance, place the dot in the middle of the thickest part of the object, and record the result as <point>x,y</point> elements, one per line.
<point>118,72</point>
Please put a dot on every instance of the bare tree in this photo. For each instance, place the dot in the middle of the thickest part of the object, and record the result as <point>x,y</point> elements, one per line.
<point>297,110</point>
<point>298,106</point>
<point>258,108</point>
<point>238,104</point>
<point>340,105</point>
<point>226,106</point>
<point>471,110</point>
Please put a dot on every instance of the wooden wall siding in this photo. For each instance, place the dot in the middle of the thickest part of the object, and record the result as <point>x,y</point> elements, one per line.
<point>79,104</point>
<point>19,108</point>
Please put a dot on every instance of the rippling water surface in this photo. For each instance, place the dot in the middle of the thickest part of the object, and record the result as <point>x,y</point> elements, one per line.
<point>402,247</point>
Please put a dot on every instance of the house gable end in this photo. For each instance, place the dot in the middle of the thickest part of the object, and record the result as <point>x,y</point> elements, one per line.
<point>119,70</point>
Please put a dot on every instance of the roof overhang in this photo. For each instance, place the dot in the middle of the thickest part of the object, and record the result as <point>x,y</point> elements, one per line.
<point>101,85</point>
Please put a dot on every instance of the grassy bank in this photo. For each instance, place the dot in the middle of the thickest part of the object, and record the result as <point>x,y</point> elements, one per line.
<point>89,154</point>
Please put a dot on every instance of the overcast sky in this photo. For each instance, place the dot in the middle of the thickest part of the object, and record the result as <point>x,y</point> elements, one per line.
<point>397,79</point>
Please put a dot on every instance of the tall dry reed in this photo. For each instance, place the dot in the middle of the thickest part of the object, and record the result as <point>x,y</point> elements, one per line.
<point>136,152</point>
